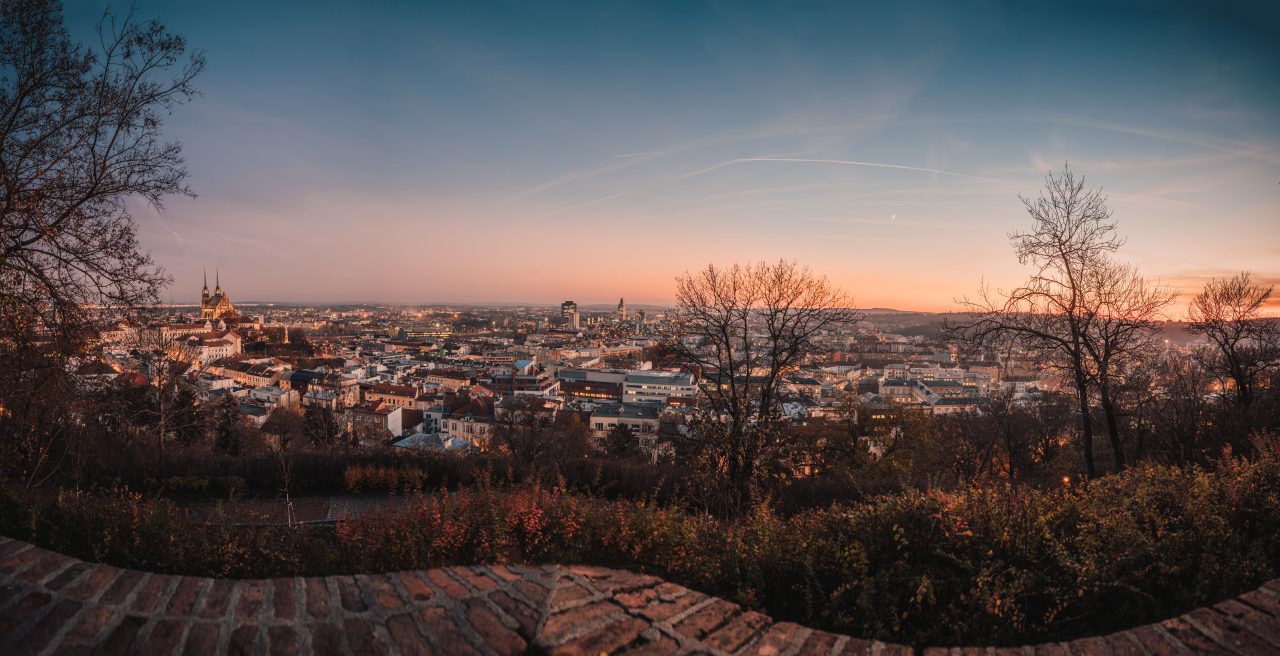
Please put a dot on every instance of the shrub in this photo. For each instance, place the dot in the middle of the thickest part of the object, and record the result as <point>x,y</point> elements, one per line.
<point>992,564</point>
<point>365,479</point>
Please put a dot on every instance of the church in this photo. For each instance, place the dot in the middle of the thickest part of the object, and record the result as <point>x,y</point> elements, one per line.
<point>217,305</point>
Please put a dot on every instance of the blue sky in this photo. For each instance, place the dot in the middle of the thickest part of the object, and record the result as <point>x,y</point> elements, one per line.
<point>535,151</point>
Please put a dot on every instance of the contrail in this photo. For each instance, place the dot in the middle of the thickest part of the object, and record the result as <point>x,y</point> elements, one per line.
<point>842,162</point>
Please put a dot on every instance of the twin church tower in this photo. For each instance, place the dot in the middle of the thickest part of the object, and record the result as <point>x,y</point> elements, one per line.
<point>216,305</point>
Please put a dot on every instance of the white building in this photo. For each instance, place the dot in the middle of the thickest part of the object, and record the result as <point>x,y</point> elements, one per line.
<point>662,386</point>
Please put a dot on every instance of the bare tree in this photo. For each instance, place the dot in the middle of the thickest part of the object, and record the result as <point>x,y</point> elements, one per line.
<point>528,430</point>
<point>168,398</point>
<point>745,327</point>
<point>1177,414</point>
<point>1122,309</point>
<point>1050,315</point>
<point>1246,344</point>
<point>79,136</point>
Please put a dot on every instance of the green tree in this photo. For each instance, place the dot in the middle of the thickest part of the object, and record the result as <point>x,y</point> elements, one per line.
<point>228,426</point>
<point>321,427</point>
<point>621,442</point>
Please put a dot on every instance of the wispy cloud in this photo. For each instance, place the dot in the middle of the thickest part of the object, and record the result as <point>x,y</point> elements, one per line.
<point>840,162</point>
<point>891,221</point>
<point>1038,162</point>
<point>584,174</point>
<point>594,201</point>
<point>1259,151</point>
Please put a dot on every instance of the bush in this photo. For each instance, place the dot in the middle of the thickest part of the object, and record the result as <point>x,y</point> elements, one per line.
<point>155,535</point>
<point>984,565</point>
<point>364,479</point>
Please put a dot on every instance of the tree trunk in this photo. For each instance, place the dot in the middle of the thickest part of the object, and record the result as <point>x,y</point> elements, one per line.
<point>1113,429</point>
<point>1086,423</point>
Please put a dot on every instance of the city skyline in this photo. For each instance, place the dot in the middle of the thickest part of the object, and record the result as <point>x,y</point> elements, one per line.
<point>458,153</point>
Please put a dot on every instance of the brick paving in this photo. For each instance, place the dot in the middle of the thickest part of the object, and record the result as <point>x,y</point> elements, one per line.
<point>52,604</point>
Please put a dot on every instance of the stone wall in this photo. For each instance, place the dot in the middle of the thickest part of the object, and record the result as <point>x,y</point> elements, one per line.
<point>53,604</point>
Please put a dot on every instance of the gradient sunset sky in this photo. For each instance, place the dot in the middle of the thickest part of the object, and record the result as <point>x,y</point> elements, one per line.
<point>478,151</point>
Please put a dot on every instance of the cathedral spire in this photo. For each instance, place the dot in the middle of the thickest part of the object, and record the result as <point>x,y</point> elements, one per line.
<point>217,281</point>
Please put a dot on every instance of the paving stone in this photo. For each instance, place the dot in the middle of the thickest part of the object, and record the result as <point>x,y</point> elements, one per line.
<point>1225,632</point>
<point>384,593</point>
<point>43,567</point>
<point>120,588</point>
<point>244,639</point>
<point>19,560</point>
<point>706,619</point>
<point>502,572</point>
<point>819,642</point>
<point>1122,644</point>
<point>406,636</point>
<point>151,594</point>
<point>361,637</point>
<point>1191,637</point>
<point>414,585</point>
<point>165,636</point>
<point>1089,647</point>
<point>1154,641</point>
<point>202,638</point>
<point>737,632</point>
<point>90,625</point>
<point>656,644</point>
<point>326,638</point>
<point>42,634</point>
<point>1264,602</point>
<point>283,641</point>
<point>53,604</point>
<point>517,610</point>
<point>500,637</point>
<point>349,593</point>
<point>183,601</point>
<point>606,640</point>
<point>1251,620</point>
<point>534,593</point>
<point>122,637</point>
<point>284,599</point>
<point>217,603</point>
<point>317,598</point>
<point>665,609</point>
<point>447,584</point>
<point>474,577</point>
<point>561,626</point>
<point>67,576</point>
<point>99,578</point>
<point>253,598</point>
<point>858,647</point>
<point>776,639</point>
<point>12,547</point>
<point>30,605</point>
<point>568,592</point>
<point>447,633</point>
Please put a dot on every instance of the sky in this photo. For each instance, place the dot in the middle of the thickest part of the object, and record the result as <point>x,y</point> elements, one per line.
<point>441,152</point>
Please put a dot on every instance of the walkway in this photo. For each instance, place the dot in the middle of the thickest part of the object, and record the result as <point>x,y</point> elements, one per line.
<point>53,604</point>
